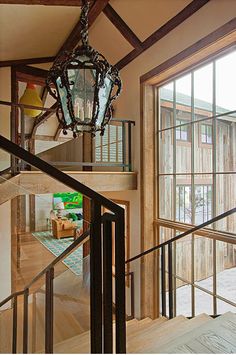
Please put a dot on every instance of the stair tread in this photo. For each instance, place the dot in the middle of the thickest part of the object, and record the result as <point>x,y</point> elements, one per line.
<point>158,346</point>
<point>217,336</point>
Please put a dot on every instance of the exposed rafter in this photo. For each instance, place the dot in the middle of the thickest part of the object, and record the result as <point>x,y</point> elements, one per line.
<point>8,63</point>
<point>175,21</point>
<point>34,75</point>
<point>74,37</point>
<point>58,132</point>
<point>122,27</point>
<point>43,2</point>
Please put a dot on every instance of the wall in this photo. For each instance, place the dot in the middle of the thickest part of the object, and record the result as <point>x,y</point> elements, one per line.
<point>5,250</point>
<point>5,95</point>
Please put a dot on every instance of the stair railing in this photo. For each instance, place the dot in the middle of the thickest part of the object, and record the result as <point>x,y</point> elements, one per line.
<point>101,319</point>
<point>161,248</point>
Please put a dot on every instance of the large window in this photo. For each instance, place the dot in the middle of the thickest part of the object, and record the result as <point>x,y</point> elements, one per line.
<point>197,149</point>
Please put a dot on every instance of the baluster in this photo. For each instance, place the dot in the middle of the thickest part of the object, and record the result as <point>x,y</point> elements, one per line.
<point>107,285</point>
<point>170,271</point>
<point>163,281</point>
<point>49,312</point>
<point>14,326</point>
<point>95,279</point>
<point>123,145</point>
<point>25,322</point>
<point>120,284</point>
<point>129,146</point>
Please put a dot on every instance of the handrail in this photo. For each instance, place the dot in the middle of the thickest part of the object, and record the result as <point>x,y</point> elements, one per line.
<point>190,231</point>
<point>66,252</point>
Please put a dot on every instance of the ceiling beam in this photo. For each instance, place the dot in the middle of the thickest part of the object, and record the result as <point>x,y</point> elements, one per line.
<point>122,27</point>
<point>43,2</point>
<point>33,75</point>
<point>8,63</point>
<point>161,32</point>
<point>74,37</point>
<point>58,132</point>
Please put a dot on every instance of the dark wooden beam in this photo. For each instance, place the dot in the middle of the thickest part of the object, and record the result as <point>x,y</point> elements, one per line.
<point>58,132</point>
<point>8,63</point>
<point>175,21</point>
<point>40,120</point>
<point>43,2</point>
<point>122,27</point>
<point>30,74</point>
<point>74,37</point>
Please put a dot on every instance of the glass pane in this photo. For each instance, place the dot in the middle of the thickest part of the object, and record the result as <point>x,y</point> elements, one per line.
<point>225,200</point>
<point>203,302</point>
<point>183,199</point>
<point>165,234</point>
<point>225,83</point>
<point>183,146</point>
<point>183,299</point>
<point>203,262</point>
<point>183,97</point>
<point>226,271</point>
<point>203,147</point>
<point>103,95</point>
<point>183,260</point>
<point>166,197</point>
<point>166,94</point>
<point>203,91</point>
<point>225,144</point>
<point>166,151</point>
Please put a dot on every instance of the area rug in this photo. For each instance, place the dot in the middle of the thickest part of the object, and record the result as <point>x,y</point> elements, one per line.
<point>56,246</point>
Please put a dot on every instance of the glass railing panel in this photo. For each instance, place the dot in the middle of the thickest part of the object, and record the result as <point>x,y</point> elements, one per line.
<point>203,302</point>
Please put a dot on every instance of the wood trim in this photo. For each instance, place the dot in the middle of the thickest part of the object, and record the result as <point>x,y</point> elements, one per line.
<point>58,132</point>
<point>161,32</point>
<point>122,27</point>
<point>205,232</point>
<point>224,36</point>
<point>34,75</point>
<point>74,37</point>
<point>149,274</point>
<point>8,63</point>
<point>43,2</point>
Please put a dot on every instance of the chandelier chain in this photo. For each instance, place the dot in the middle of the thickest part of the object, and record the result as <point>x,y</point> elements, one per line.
<point>84,22</point>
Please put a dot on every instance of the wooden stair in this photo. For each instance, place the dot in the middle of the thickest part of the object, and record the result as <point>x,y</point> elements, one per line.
<point>201,334</point>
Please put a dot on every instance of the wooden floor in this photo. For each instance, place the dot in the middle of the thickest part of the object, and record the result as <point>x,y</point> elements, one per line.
<point>32,258</point>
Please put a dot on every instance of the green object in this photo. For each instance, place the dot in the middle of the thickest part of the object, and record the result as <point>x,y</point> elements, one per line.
<point>70,200</point>
<point>73,216</point>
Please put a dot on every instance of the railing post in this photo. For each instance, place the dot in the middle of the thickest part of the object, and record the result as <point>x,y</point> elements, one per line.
<point>107,286</point>
<point>25,322</point>
<point>163,281</point>
<point>120,283</point>
<point>129,147</point>
<point>170,277</point>
<point>95,279</point>
<point>49,312</point>
<point>123,145</point>
<point>14,326</point>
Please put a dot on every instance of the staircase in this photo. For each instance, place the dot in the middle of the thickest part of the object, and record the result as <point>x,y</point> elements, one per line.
<point>198,335</point>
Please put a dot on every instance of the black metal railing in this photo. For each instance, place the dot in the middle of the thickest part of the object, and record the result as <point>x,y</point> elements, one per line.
<point>100,265</point>
<point>167,266</point>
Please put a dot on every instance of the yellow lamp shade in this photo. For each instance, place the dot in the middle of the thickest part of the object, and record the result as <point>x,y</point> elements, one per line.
<point>31,97</point>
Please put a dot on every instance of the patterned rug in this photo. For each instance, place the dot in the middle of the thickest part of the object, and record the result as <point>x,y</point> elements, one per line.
<point>56,246</point>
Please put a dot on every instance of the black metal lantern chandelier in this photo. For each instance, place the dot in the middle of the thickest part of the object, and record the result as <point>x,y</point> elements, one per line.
<point>84,84</point>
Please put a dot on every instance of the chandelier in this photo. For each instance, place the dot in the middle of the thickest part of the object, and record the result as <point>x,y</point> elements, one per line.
<point>84,85</point>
